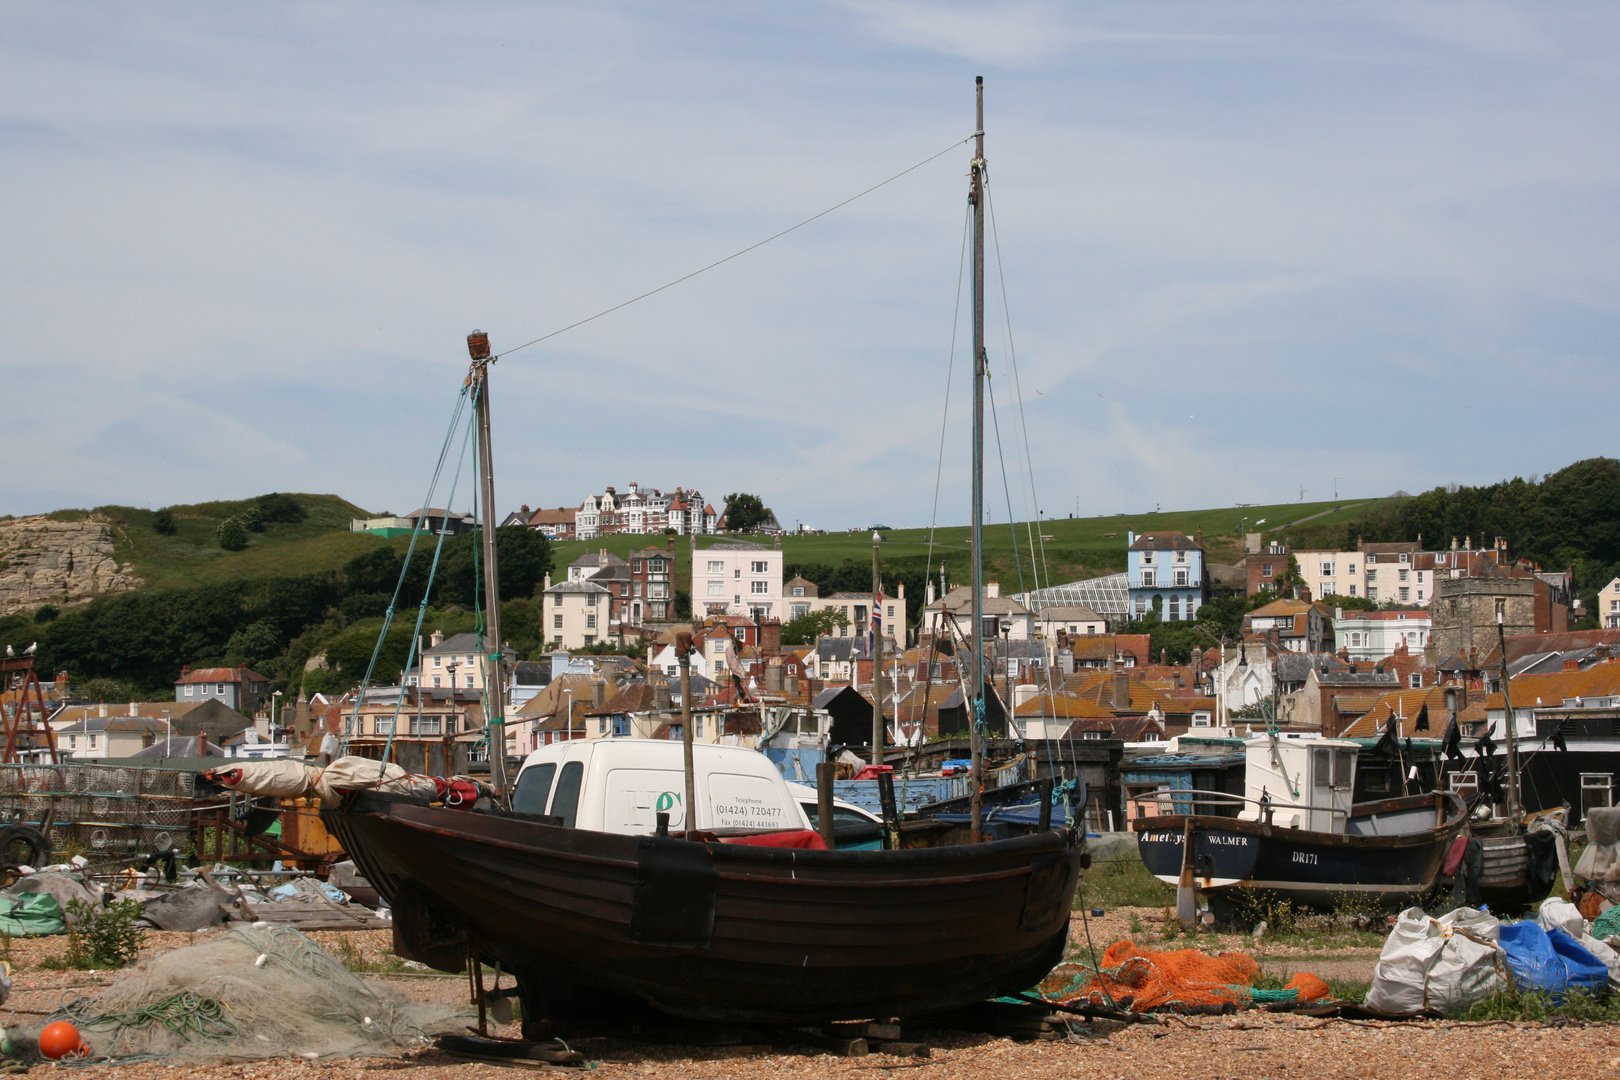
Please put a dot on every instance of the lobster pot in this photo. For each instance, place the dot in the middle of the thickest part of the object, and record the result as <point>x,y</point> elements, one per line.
<point>160,782</point>
<point>157,838</point>
<point>164,814</point>
<point>10,778</point>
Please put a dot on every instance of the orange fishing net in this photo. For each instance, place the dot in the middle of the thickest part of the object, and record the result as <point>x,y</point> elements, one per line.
<point>1142,979</point>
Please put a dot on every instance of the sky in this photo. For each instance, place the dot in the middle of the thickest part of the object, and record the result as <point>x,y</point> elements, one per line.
<point>1240,251</point>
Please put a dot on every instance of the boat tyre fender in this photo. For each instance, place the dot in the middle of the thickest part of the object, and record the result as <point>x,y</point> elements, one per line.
<point>23,845</point>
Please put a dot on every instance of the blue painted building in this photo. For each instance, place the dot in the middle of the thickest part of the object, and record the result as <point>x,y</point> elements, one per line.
<point>1165,573</point>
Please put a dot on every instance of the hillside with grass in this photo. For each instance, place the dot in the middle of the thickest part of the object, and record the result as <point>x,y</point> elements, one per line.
<point>191,553</point>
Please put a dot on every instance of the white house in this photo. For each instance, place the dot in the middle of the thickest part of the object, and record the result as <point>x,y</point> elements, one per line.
<point>1608,609</point>
<point>1374,635</point>
<point>574,614</point>
<point>737,579</point>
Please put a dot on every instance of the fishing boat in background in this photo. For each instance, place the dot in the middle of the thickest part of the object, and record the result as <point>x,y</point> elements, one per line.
<point>1298,834</point>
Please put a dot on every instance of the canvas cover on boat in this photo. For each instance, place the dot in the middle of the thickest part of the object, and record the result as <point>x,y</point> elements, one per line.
<point>283,778</point>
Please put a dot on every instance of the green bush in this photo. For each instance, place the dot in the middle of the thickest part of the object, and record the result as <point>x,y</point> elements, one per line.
<point>163,523</point>
<point>103,936</point>
<point>232,535</point>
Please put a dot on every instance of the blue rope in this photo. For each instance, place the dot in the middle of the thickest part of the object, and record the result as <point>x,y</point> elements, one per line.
<point>421,609</point>
<point>388,616</point>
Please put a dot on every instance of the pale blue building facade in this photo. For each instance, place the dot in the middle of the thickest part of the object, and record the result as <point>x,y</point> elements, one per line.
<point>1165,571</point>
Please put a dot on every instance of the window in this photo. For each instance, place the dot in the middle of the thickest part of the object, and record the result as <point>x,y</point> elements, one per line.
<point>1403,556</point>
<point>1420,577</point>
<point>736,573</point>
<point>1174,610</point>
<point>566,803</point>
<point>759,567</point>
<point>73,742</point>
<point>1147,579</point>
<point>1200,719</point>
<point>424,725</point>
<point>1265,569</point>
<point>92,742</point>
<point>1181,556</point>
<point>601,725</point>
<point>741,634</point>
<point>1372,592</point>
<point>1091,735</point>
<point>621,726</point>
<point>860,614</point>
<point>1415,680</point>
<point>1352,590</point>
<point>1406,594</point>
<point>435,680</point>
<point>797,610</point>
<point>384,725</point>
<point>697,727</point>
<point>190,688</point>
<point>438,661</point>
<point>590,624</point>
<point>636,589</point>
<point>469,679</point>
<point>1147,557</point>
<point>1420,596</point>
<point>715,587</point>
<point>657,566</point>
<point>1181,578</point>
<point>635,566</point>
<point>891,611</point>
<point>759,587</point>
<point>798,590</point>
<point>1597,790</point>
<point>1372,575</point>
<point>1327,569</point>
<point>590,639</point>
<point>556,621</point>
<point>1403,575</point>
<point>716,566</point>
<point>221,689</point>
<point>1350,569</point>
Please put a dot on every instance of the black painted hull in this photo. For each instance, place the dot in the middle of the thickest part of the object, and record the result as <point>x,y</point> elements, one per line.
<point>1316,869</point>
<point>719,931</point>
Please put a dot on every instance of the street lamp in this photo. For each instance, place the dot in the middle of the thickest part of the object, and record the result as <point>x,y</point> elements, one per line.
<point>275,715</point>
<point>168,740</point>
<point>570,695</point>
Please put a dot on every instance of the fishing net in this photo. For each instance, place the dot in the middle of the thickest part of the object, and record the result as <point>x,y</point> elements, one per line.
<point>252,992</point>
<point>1184,979</point>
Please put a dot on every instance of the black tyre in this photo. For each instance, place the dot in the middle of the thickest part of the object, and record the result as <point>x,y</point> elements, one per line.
<point>23,845</point>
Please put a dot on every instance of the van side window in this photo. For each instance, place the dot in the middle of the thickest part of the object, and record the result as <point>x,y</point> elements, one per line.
<point>532,788</point>
<point>566,804</point>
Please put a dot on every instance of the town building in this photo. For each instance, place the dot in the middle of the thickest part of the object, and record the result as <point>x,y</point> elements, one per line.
<point>1608,604</point>
<point>652,589</point>
<point>737,579</point>
<point>641,511</point>
<point>239,687</point>
<point>558,524</point>
<point>1264,568</point>
<point>1071,620</point>
<point>432,519</point>
<point>575,613</point>
<point>452,663</point>
<point>1373,635</point>
<point>856,608</point>
<point>1166,574</point>
<point>1004,616</point>
<point>1299,626</point>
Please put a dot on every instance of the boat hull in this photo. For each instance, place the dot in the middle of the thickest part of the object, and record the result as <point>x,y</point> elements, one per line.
<point>718,931</point>
<point>1316,869</point>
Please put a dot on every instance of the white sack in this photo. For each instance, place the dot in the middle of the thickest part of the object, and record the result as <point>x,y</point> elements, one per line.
<point>1599,862</point>
<point>1444,964</point>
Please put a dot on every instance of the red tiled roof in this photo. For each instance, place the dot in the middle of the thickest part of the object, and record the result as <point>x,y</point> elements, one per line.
<point>221,675</point>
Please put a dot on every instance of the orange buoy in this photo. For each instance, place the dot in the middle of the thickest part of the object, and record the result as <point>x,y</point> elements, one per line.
<point>60,1039</point>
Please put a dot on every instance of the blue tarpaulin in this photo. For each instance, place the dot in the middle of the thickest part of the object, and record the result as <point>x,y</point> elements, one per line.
<point>1551,962</point>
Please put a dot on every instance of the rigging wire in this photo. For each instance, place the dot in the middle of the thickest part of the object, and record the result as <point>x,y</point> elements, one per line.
<point>410,551</point>
<point>735,254</point>
<point>950,371</point>
<point>1023,424</point>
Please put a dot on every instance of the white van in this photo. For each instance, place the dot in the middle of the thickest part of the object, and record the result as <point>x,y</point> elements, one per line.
<point>620,785</point>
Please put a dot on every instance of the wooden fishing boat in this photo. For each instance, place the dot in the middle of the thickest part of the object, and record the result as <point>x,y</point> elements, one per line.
<point>696,926</point>
<point>713,930</point>
<point>1300,837</point>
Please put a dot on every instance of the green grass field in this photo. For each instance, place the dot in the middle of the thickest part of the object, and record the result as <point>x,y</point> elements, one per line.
<point>1074,548</point>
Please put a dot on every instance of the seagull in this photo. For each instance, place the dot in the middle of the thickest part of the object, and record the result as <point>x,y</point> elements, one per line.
<point>30,650</point>
<point>9,651</point>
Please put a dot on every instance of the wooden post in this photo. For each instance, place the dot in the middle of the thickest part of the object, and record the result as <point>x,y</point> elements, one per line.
<point>1186,897</point>
<point>683,654</point>
<point>877,658</point>
<point>825,771</point>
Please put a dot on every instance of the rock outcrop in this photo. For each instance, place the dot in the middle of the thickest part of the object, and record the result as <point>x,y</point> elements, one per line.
<point>57,562</point>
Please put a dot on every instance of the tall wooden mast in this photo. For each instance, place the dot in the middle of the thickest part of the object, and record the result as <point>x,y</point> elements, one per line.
<point>495,656</point>
<point>976,198</point>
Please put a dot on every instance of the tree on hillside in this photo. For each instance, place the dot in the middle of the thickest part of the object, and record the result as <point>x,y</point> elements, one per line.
<point>281,509</point>
<point>232,536</point>
<point>163,523</point>
<point>806,628</point>
<point>743,511</point>
<point>525,559</point>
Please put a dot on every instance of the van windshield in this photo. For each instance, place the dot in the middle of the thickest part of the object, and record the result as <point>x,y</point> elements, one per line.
<point>533,785</point>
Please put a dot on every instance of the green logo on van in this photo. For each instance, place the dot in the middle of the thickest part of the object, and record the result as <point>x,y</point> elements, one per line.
<point>666,801</point>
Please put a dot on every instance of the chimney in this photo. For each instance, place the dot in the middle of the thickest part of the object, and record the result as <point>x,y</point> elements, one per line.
<point>1569,665</point>
<point>1121,696</point>
<point>774,677</point>
<point>548,580</point>
<point>992,590</point>
<point>791,686</point>
<point>133,711</point>
<point>104,712</point>
<point>202,744</point>
<point>436,639</point>
<point>1431,654</point>
<point>661,699</point>
<point>598,692</point>
<point>928,592</point>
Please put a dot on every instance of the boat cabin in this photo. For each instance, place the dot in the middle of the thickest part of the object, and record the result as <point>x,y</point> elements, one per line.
<point>1300,783</point>
<point>621,785</point>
